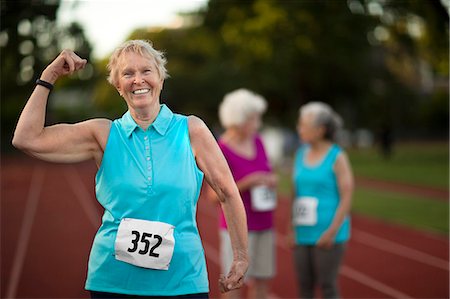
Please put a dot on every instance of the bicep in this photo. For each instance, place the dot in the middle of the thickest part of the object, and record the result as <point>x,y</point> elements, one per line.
<point>210,159</point>
<point>69,143</point>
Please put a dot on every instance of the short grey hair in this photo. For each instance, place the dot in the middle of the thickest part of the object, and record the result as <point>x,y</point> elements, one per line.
<point>238,105</point>
<point>325,116</point>
<point>139,46</point>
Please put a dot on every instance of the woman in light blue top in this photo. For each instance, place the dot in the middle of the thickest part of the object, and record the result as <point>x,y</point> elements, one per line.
<point>151,163</point>
<point>323,182</point>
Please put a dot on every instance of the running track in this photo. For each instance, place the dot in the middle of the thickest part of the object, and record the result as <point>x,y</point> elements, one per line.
<point>49,217</point>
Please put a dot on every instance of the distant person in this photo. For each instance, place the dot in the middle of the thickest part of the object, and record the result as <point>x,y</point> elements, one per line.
<point>240,114</point>
<point>151,163</point>
<point>323,182</point>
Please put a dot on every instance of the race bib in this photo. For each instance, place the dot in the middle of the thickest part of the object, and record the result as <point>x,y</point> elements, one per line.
<point>147,244</point>
<point>305,211</point>
<point>263,198</point>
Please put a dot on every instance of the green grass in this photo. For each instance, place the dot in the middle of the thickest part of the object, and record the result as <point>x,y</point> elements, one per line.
<point>413,211</point>
<point>422,164</point>
<point>416,163</point>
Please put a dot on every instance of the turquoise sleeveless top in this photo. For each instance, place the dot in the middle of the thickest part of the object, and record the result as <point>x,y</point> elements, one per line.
<point>318,181</point>
<point>150,175</point>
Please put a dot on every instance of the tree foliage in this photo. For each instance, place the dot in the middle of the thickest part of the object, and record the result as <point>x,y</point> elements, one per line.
<point>372,60</point>
<point>380,63</point>
<point>29,40</point>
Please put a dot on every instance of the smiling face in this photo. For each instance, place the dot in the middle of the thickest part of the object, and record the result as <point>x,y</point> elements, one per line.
<point>138,80</point>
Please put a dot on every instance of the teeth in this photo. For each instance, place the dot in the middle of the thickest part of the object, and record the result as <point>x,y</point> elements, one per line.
<point>141,91</point>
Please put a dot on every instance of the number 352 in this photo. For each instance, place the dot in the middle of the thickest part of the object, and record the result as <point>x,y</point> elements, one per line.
<point>145,239</point>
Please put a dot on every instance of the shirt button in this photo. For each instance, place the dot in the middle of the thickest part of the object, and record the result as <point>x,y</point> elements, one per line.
<point>145,138</point>
<point>147,147</point>
<point>148,158</point>
<point>149,178</point>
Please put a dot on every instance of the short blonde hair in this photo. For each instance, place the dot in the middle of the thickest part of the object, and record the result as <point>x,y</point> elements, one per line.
<point>323,115</point>
<point>238,105</point>
<point>141,47</point>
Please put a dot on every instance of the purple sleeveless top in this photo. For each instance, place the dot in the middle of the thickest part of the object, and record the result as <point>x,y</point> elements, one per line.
<point>240,168</point>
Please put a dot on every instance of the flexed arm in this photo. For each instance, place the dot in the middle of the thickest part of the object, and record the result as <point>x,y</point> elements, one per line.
<point>61,142</point>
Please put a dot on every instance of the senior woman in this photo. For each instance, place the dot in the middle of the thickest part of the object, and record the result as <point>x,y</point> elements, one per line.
<point>240,114</point>
<point>151,163</point>
<point>323,183</point>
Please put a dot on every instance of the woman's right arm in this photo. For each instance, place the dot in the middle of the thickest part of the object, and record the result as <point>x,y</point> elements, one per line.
<point>61,142</point>
<point>218,175</point>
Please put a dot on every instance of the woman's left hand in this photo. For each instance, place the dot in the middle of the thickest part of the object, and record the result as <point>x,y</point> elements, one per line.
<point>326,241</point>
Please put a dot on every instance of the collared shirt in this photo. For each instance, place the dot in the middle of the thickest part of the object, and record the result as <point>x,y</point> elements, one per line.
<point>149,175</point>
<point>160,125</point>
<point>143,142</point>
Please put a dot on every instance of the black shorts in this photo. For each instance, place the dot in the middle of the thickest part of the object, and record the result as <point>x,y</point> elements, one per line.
<point>104,295</point>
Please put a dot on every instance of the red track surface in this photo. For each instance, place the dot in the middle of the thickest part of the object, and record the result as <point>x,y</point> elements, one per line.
<point>49,217</point>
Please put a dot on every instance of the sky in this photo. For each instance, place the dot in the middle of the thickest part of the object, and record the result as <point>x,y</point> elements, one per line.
<point>108,22</point>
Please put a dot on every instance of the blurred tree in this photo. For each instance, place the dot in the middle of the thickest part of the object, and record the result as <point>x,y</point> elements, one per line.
<point>298,51</point>
<point>414,39</point>
<point>29,40</point>
<point>105,96</point>
<point>352,54</point>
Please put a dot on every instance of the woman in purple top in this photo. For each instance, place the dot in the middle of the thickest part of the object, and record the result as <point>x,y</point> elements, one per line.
<point>240,114</point>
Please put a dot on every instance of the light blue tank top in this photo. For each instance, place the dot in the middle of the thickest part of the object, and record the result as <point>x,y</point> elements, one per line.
<point>318,181</point>
<point>149,175</point>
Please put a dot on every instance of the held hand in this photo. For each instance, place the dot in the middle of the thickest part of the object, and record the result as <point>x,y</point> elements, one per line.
<point>265,178</point>
<point>289,239</point>
<point>235,278</point>
<point>326,241</point>
<point>271,180</point>
<point>66,63</point>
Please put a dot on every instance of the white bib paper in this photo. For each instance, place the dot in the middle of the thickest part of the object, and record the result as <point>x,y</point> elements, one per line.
<point>305,211</point>
<point>263,198</point>
<point>147,244</point>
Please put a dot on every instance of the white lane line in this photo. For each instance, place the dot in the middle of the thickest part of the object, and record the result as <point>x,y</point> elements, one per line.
<point>213,255</point>
<point>353,274</point>
<point>37,180</point>
<point>82,194</point>
<point>382,244</point>
<point>373,283</point>
<point>398,249</point>
<point>211,252</point>
<point>283,241</point>
<point>401,250</point>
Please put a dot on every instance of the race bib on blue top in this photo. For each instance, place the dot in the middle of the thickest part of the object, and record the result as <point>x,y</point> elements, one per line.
<point>305,211</point>
<point>147,244</point>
